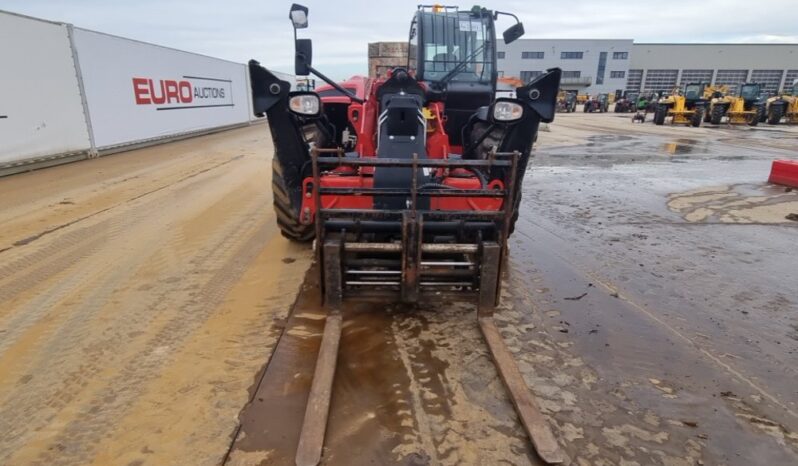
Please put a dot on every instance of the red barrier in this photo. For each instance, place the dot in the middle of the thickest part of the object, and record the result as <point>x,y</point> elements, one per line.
<point>784,172</point>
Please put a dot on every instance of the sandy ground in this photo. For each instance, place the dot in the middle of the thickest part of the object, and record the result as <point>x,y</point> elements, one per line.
<point>649,301</point>
<point>139,298</point>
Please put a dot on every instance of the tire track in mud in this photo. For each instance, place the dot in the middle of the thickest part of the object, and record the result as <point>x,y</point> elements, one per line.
<point>460,407</point>
<point>70,336</point>
<point>79,245</point>
<point>76,442</point>
<point>36,236</point>
<point>422,422</point>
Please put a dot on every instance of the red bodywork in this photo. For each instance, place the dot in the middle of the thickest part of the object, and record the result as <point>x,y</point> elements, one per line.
<point>363,118</point>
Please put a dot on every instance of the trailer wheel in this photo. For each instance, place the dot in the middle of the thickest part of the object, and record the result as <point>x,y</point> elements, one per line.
<point>775,114</point>
<point>286,215</point>
<point>717,114</point>
<point>695,119</point>
<point>659,115</point>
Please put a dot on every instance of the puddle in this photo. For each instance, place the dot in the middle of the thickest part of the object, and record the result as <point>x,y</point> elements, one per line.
<point>685,146</point>
<point>609,138</point>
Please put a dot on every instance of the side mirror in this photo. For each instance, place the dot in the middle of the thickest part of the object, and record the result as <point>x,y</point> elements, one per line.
<point>513,32</point>
<point>299,16</point>
<point>303,57</point>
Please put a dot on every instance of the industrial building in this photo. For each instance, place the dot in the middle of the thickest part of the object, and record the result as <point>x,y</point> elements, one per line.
<point>659,67</point>
<point>602,65</point>
<point>593,66</point>
<point>589,65</point>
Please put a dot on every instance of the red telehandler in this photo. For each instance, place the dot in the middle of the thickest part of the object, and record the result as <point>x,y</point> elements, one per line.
<point>409,184</point>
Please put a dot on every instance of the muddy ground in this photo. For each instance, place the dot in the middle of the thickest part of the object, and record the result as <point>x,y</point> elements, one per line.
<point>649,299</point>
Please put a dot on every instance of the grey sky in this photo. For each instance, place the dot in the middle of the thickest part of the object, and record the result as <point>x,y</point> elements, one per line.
<point>242,29</point>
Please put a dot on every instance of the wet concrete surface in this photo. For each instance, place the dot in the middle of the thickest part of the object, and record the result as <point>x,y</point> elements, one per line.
<point>695,244</point>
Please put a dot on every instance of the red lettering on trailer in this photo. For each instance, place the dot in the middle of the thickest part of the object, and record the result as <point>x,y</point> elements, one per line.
<point>185,92</point>
<point>157,99</point>
<point>171,91</point>
<point>140,91</point>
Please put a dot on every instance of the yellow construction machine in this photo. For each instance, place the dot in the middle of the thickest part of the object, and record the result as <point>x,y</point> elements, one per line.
<point>685,107</point>
<point>783,106</point>
<point>747,108</point>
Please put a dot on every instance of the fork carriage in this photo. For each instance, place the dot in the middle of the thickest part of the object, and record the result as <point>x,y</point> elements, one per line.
<point>410,252</point>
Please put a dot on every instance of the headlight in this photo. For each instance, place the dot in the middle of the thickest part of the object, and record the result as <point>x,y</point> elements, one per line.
<point>507,111</point>
<point>305,104</point>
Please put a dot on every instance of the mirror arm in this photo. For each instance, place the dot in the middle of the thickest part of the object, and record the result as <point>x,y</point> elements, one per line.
<point>497,13</point>
<point>335,85</point>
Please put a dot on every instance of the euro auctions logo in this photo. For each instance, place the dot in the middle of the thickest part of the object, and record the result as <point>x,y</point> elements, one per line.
<point>186,93</point>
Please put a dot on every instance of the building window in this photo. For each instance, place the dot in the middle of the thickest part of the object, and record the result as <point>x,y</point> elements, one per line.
<point>602,67</point>
<point>527,76</point>
<point>695,76</point>
<point>571,55</point>
<point>532,55</point>
<point>792,75</point>
<point>634,81</point>
<point>620,55</point>
<point>618,74</point>
<point>499,55</point>
<point>571,74</point>
<point>731,78</point>
<point>769,79</point>
<point>661,80</point>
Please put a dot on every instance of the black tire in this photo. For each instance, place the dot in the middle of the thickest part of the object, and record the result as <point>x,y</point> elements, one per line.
<point>753,120</point>
<point>775,114</point>
<point>717,114</point>
<point>763,115</point>
<point>697,117</point>
<point>707,114</point>
<point>286,215</point>
<point>660,114</point>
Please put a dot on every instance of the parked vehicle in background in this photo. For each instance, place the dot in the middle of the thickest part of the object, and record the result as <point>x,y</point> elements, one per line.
<point>686,106</point>
<point>783,106</point>
<point>747,108</point>
<point>566,102</point>
<point>599,103</point>
<point>627,103</point>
